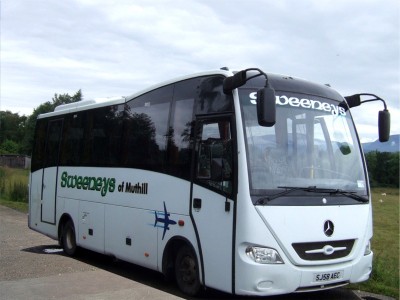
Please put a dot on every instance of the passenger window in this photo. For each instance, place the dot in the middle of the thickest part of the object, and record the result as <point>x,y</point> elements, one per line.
<point>146,130</point>
<point>180,132</point>
<point>73,139</point>
<point>103,136</point>
<point>210,97</point>
<point>179,137</point>
<point>54,133</point>
<point>38,155</point>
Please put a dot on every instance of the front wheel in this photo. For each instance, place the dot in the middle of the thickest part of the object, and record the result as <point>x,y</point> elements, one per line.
<point>187,271</point>
<point>68,238</point>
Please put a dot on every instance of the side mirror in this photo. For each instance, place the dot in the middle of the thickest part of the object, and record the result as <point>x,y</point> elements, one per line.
<point>384,125</point>
<point>383,117</point>
<point>344,148</point>
<point>266,111</point>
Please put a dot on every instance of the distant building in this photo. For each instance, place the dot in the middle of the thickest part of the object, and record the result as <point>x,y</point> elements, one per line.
<point>15,161</point>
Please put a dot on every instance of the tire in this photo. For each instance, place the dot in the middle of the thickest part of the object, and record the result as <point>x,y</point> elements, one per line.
<point>68,238</point>
<point>187,271</point>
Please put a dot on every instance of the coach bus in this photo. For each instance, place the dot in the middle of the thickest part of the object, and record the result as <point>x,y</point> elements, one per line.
<point>245,182</point>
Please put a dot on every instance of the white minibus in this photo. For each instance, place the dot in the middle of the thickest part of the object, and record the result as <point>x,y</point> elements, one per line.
<point>245,182</point>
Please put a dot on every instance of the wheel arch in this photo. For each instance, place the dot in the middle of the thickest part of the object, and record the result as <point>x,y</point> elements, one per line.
<point>64,219</point>
<point>170,253</point>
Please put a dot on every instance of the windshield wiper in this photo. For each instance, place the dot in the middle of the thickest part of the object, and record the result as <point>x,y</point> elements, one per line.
<point>349,194</point>
<point>312,189</point>
<point>289,189</point>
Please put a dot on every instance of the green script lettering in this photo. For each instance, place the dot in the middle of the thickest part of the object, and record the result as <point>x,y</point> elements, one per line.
<point>100,184</point>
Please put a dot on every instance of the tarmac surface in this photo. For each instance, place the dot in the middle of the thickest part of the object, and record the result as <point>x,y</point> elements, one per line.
<point>32,266</point>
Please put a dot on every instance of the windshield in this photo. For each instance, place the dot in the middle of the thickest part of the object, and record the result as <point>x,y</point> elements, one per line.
<point>312,144</point>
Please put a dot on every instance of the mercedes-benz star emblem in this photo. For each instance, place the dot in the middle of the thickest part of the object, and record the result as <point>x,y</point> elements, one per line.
<point>328,228</point>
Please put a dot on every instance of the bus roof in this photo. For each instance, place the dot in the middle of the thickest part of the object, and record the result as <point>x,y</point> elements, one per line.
<point>83,105</point>
<point>100,102</point>
<point>294,84</point>
<point>279,82</point>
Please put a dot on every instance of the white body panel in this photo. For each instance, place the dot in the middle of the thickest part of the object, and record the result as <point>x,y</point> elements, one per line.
<point>291,225</point>
<point>215,228</point>
<point>105,223</point>
<point>124,223</point>
<point>279,227</point>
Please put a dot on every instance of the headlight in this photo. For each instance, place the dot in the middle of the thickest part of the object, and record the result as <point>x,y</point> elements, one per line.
<point>368,249</point>
<point>263,255</point>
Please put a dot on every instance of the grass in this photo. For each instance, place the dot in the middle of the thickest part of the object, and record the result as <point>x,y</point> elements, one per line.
<point>20,206</point>
<point>14,184</point>
<point>385,243</point>
<point>14,188</point>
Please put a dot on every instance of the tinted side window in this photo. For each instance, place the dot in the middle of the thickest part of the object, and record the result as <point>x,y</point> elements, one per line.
<point>54,132</point>
<point>214,166</point>
<point>180,132</point>
<point>38,153</point>
<point>73,140</point>
<point>103,136</point>
<point>210,96</point>
<point>146,129</point>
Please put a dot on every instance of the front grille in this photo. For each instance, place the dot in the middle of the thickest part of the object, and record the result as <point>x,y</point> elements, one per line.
<point>324,250</point>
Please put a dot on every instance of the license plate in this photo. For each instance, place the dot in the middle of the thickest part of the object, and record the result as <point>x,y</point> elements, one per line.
<point>328,276</point>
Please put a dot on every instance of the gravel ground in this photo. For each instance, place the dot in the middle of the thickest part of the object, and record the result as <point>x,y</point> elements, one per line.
<point>22,251</point>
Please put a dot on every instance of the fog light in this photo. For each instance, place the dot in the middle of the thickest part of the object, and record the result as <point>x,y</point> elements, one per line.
<point>265,285</point>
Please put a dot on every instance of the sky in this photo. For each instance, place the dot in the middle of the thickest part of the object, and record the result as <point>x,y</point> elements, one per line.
<point>115,48</point>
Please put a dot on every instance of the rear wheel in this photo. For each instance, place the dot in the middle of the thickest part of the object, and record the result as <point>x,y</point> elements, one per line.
<point>187,271</point>
<point>68,238</point>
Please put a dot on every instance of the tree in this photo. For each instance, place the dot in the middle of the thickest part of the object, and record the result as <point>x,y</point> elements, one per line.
<point>65,98</point>
<point>21,129</point>
<point>12,130</point>
<point>12,126</point>
<point>370,157</point>
<point>9,147</point>
<point>45,108</point>
<point>393,169</point>
<point>383,168</point>
<point>27,141</point>
<point>382,165</point>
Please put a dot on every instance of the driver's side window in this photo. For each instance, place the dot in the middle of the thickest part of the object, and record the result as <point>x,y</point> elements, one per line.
<point>214,156</point>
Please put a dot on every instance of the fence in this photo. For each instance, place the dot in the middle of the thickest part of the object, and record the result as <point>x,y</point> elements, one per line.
<point>15,161</point>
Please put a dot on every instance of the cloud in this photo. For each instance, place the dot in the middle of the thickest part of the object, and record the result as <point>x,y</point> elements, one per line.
<point>109,48</point>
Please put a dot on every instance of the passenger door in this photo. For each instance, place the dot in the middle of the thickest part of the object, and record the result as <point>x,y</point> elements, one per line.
<point>50,171</point>
<point>212,202</point>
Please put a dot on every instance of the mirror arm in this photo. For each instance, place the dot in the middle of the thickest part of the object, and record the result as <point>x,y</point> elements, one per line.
<point>261,73</point>
<point>383,117</point>
<point>364,101</point>
<point>375,99</point>
<point>240,78</point>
